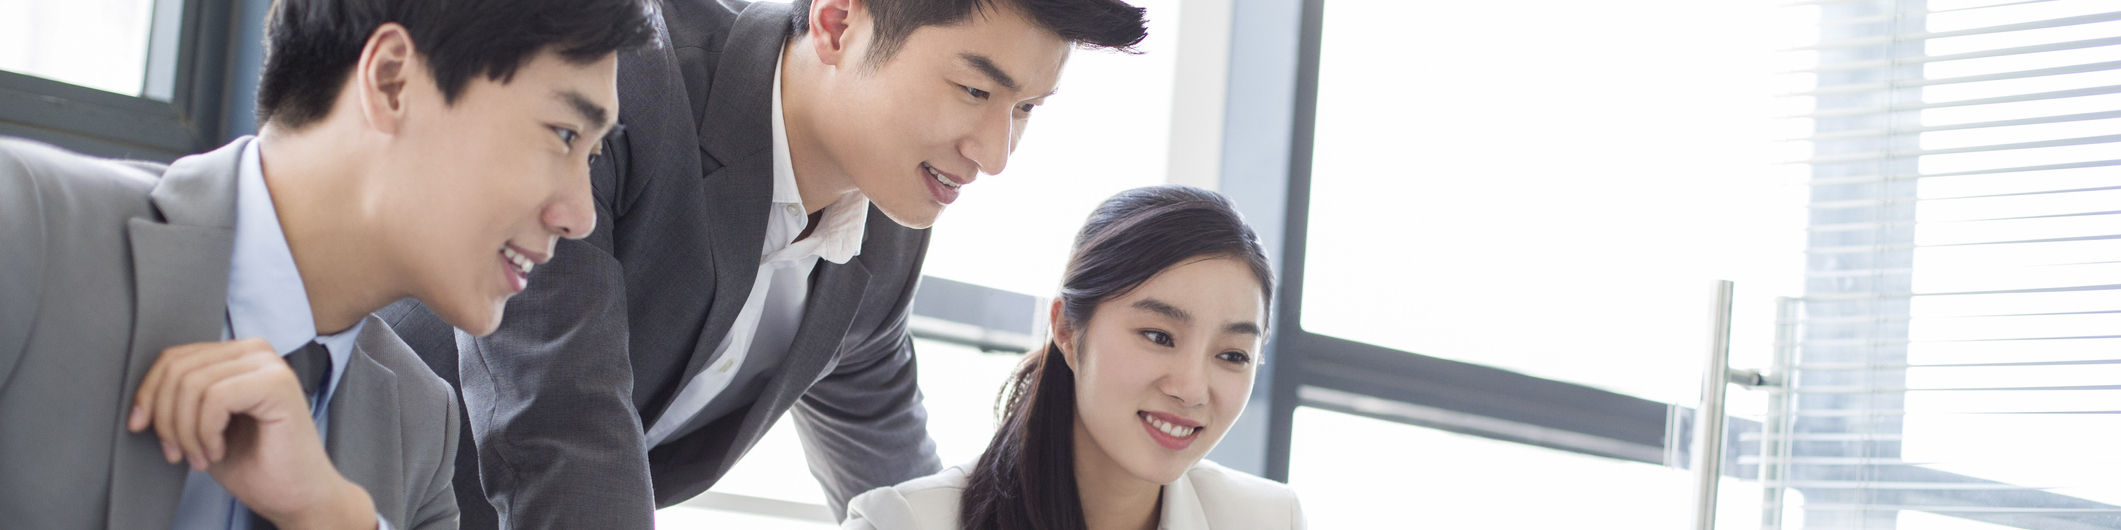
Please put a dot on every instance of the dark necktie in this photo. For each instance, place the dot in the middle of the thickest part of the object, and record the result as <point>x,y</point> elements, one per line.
<point>312,365</point>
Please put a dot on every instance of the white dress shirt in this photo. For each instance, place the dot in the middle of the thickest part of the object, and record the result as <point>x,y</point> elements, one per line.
<point>265,300</point>
<point>765,327</point>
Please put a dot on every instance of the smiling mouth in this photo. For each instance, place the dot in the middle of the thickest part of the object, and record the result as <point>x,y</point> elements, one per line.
<point>523,263</point>
<point>939,178</point>
<point>1176,431</point>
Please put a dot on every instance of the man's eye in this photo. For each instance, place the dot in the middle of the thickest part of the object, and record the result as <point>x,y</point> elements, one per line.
<point>1157,337</point>
<point>1026,108</point>
<point>976,93</point>
<point>567,135</point>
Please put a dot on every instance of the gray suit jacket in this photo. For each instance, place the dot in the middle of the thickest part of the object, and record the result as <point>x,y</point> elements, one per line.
<point>612,327</point>
<point>107,264</point>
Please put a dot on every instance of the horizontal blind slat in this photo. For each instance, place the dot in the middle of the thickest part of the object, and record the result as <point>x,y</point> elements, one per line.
<point>2016,98</point>
<point>2005,28</point>
<point>1873,155</point>
<point>1873,64</point>
<point>1860,179</point>
<point>1865,133</point>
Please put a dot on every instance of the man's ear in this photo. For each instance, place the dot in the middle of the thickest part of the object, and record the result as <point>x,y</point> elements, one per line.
<point>383,73</point>
<point>1063,334</point>
<point>834,24</point>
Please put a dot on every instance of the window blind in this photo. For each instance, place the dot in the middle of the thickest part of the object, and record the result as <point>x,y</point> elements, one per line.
<point>1956,354</point>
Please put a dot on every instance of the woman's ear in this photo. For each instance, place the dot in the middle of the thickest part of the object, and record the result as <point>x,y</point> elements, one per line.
<point>384,70</point>
<point>1063,334</point>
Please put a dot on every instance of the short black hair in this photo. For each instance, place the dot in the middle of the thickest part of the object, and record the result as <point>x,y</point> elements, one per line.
<point>1107,24</point>
<point>311,45</point>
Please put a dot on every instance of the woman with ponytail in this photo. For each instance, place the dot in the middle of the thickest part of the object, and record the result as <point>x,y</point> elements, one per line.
<point>1156,338</point>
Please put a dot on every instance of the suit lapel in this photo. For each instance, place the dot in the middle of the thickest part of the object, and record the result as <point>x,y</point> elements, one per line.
<point>364,410</point>
<point>737,132</point>
<point>835,295</point>
<point>1182,509</point>
<point>180,281</point>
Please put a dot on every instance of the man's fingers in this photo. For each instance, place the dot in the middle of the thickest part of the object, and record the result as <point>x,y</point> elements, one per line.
<point>239,392</point>
<point>155,402</point>
<point>190,403</point>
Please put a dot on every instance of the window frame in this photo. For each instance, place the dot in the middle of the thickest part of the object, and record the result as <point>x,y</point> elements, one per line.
<point>108,124</point>
<point>1532,410</point>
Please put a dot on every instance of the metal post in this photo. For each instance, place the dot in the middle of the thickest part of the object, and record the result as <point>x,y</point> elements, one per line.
<point>1775,434</point>
<point>1708,420</point>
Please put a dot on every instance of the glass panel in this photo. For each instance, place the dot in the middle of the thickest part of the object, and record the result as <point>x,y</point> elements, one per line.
<point>958,384</point>
<point>1107,130</point>
<point>1553,194</point>
<point>1357,472</point>
<point>100,44</point>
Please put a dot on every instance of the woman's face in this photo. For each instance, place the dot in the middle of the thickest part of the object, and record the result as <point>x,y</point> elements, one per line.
<point>1161,372</point>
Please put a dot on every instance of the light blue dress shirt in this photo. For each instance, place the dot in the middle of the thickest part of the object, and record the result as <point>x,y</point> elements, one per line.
<point>265,300</point>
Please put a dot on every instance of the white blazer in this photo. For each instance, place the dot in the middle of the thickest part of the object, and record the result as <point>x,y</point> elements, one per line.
<point>1207,496</point>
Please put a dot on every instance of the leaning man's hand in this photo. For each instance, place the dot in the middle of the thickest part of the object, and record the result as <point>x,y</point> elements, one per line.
<point>235,410</point>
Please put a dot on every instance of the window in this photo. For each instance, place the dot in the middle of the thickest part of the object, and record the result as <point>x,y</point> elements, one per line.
<point>1532,203</point>
<point>100,44</point>
<point>136,79</point>
<point>1552,194</point>
<point>1956,360</point>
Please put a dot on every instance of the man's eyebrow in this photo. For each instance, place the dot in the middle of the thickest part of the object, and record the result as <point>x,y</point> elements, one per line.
<point>596,115</point>
<point>1158,306</point>
<point>986,66</point>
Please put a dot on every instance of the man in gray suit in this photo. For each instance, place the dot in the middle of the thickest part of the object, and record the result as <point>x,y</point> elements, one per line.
<point>764,216</point>
<point>214,312</point>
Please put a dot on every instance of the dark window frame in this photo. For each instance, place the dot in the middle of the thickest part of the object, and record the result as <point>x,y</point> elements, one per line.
<point>115,125</point>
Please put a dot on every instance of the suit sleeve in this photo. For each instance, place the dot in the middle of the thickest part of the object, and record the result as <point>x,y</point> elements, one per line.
<point>863,425</point>
<point>22,265</point>
<point>549,395</point>
<point>439,510</point>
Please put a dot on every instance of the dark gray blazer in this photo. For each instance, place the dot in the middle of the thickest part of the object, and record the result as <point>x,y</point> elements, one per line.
<point>107,264</point>
<point>616,323</point>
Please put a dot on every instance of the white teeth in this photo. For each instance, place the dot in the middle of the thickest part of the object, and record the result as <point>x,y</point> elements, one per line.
<point>523,264</point>
<point>938,175</point>
<point>1169,428</point>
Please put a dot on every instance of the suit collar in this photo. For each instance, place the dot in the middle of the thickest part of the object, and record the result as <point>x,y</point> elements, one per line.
<point>736,124</point>
<point>200,190</point>
<point>180,281</point>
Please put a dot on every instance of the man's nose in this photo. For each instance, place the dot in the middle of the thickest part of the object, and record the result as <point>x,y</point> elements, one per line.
<point>573,215</point>
<point>989,144</point>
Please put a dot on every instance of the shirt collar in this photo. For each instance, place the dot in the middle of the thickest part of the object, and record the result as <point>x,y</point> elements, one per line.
<point>265,291</point>
<point>840,231</point>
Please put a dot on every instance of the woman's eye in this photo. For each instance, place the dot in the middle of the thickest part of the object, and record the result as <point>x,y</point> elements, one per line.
<point>976,93</point>
<point>1235,357</point>
<point>1158,337</point>
<point>567,135</point>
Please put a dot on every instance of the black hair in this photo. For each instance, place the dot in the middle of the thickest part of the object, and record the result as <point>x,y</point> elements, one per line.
<point>1109,24</point>
<point>311,45</point>
<point>1026,479</point>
